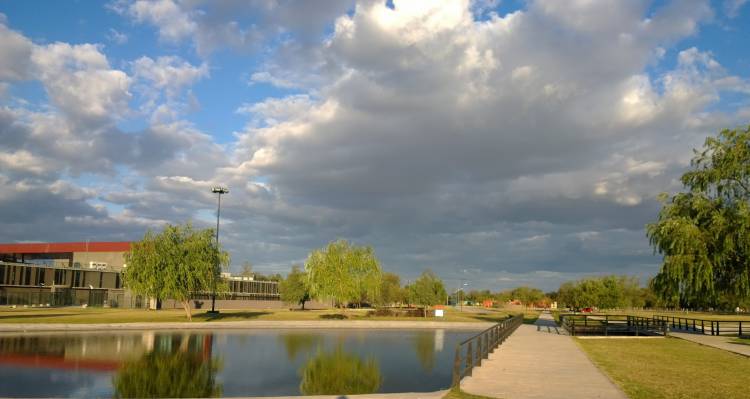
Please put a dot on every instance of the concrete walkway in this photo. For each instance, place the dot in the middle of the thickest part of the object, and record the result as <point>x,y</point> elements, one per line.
<point>540,361</point>
<point>420,395</point>
<point>716,341</point>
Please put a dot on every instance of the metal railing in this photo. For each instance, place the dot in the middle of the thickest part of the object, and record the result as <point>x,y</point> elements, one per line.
<point>707,327</point>
<point>470,352</point>
<point>593,324</point>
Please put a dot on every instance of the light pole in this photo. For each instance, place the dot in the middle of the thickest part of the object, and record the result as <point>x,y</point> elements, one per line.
<point>217,190</point>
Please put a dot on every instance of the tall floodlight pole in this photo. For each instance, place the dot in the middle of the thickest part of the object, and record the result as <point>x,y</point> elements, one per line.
<point>219,191</point>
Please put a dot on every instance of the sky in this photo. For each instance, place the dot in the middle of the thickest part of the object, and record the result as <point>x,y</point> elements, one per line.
<point>499,143</point>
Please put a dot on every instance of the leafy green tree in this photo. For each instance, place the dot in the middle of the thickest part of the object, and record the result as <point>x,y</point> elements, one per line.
<point>175,263</point>
<point>424,345</point>
<point>167,375</point>
<point>527,295</point>
<point>704,232</point>
<point>390,290</point>
<point>344,273</point>
<point>340,373</point>
<point>427,290</point>
<point>294,288</point>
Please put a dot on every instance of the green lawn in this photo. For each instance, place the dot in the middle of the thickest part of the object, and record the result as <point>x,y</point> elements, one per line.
<point>741,341</point>
<point>670,368</point>
<point>102,315</point>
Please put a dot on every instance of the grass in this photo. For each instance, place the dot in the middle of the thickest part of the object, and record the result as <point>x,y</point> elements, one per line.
<point>741,341</point>
<point>458,394</point>
<point>670,368</point>
<point>75,315</point>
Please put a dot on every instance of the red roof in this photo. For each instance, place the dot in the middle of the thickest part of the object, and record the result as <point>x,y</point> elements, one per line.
<point>62,247</point>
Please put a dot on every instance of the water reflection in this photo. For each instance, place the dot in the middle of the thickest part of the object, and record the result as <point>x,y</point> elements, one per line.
<point>232,363</point>
<point>340,372</point>
<point>167,375</point>
<point>299,343</point>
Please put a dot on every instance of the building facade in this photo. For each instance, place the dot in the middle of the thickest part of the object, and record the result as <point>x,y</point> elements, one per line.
<point>89,273</point>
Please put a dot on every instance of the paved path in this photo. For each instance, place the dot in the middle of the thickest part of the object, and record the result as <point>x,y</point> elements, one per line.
<point>540,361</point>
<point>716,341</point>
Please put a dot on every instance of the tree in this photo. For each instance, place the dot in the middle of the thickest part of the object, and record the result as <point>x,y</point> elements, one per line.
<point>390,290</point>
<point>175,263</point>
<point>704,232</point>
<point>427,290</point>
<point>247,269</point>
<point>527,295</point>
<point>294,288</point>
<point>344,273</point>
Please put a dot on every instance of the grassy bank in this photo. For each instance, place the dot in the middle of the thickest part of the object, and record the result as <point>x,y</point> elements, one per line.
<point>458,394</point>
<point>102,315</point>
<point>670,368</point>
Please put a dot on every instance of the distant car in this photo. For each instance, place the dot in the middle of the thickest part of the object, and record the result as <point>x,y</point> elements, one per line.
<point>587,310</point>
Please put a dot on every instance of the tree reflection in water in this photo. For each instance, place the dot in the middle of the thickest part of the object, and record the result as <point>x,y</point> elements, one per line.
<point>296,343</point>
<point>424,345</point>
<point>178,367</point>
<point>340,373</point>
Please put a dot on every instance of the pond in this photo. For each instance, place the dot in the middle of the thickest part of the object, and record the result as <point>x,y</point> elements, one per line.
<point>227,363</point>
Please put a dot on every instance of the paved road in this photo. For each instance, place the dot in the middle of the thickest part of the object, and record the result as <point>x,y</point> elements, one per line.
<point>540,361</point>
<point>716,341</point>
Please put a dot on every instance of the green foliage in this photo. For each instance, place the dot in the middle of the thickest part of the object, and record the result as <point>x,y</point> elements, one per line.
<point>344,272</point>
<point>390,290</point>
<point>704,233</point>
<point>294,288</point>
<point>427,290</point>
<point>167,375</point>
<point>608,292</point>
<point>340,373</point>
<point>175,263</point>
<point>527,295</point>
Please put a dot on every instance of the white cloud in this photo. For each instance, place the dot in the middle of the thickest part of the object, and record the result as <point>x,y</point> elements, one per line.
<point>117,37</point>
<point>80,82</point>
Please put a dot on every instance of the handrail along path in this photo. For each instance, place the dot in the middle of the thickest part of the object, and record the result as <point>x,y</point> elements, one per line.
<point>480,346</point>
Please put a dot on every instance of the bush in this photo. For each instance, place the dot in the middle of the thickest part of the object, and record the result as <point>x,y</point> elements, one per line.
<point>386,312</point>
<point>334,316</point>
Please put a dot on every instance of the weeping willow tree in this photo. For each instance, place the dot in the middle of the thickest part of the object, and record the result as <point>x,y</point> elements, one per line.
<point>175,263</point>
<point>704,232</point>
<point>344,273</point>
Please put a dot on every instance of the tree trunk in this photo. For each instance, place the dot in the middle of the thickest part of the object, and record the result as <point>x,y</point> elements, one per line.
<point>424,311</point>
<point>186,305</point>
<point>303,305</point>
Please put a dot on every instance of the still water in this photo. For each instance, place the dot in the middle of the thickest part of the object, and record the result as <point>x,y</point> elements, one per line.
<point>226,363</point>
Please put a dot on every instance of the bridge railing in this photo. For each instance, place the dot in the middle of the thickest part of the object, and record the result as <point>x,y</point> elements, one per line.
<point>470,352</point>
<point>605,324</point>
<point>708,327</point>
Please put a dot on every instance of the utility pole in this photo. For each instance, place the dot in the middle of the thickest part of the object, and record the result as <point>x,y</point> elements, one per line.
<point>219,191</point>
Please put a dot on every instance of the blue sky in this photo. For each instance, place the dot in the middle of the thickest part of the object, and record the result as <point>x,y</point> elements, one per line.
<point>502,142</point>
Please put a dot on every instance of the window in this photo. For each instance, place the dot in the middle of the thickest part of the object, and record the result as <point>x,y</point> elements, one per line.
<point>60,277</point>
<point>101,279</point>
<point>2,274</point>
<point>27,280</point>
<point>76,278</point>
<point>117,280</point>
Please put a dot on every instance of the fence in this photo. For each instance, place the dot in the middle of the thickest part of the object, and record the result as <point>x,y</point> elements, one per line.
<point>592,324</point>
<point>480,346</point>
<point>707,327</point>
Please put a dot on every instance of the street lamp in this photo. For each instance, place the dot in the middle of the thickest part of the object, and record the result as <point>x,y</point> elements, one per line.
<point>217,190</point>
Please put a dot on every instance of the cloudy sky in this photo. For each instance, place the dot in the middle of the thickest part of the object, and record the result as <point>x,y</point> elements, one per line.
<point>502,142</point>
